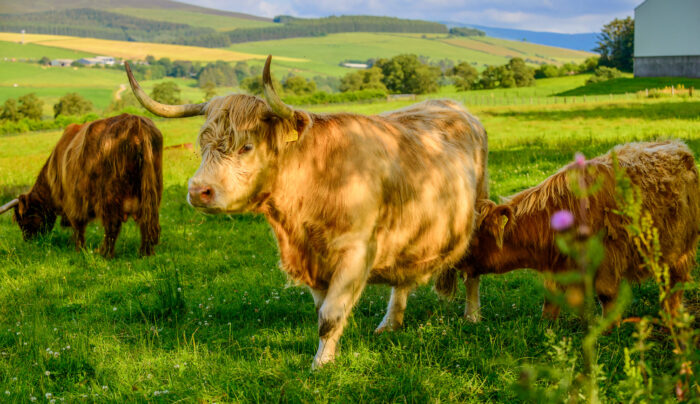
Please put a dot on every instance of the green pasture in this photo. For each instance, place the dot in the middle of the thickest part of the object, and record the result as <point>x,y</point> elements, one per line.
<point>217,22</point>
<point>325,53</point>
<point>10,50</point>
<point>210,318</point>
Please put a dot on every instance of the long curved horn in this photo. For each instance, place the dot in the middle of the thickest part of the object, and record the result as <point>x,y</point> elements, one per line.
<point>273,100</point>
<point>164,110</point>
<point>9,205</point>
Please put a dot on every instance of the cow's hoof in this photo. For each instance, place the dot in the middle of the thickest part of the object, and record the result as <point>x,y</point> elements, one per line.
<point>388,327</point>
<point>472,318</point>
<point>319,363</point>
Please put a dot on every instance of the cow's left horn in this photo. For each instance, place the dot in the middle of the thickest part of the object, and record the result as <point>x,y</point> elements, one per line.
<point>9,205</point>
<point>273,100</point>
<point>164,110</point>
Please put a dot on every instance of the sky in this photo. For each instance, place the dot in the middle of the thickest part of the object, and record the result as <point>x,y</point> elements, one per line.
<point>564,16</point>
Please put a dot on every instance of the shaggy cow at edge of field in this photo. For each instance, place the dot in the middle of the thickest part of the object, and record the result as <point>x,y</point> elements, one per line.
<point>351,199</point>
<point>666,175</point>
<point>108,169</point>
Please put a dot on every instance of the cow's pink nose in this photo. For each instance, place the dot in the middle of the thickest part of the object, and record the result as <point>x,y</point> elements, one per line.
<point>201,195</point>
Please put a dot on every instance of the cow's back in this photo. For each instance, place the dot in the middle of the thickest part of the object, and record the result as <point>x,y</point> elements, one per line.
<point>102,161</point>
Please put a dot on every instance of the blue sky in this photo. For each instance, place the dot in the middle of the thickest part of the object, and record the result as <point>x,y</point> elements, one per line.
<point>567,16</point>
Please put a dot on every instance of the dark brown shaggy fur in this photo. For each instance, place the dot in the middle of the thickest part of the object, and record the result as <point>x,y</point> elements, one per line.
<point>108,169</point>
<point>666,174</point>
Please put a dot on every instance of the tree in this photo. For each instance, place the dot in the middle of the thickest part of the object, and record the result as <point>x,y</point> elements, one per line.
<point>72,104</point>
<point>368,79</point>
<point>546,71</point>
<point>588,65</point>
<point>209,89</point>
<point>489,77</point>
<point>616,44</point>
<point>30,106</point>
<point>604,73</point>
<point>406,74</point>
<point>465,76</point>
<point>299,85</point>
<point>44,61</point>
<point>10,111</point>
<point>166,92</point>
<point>254,85</point>
<point>523,75</point>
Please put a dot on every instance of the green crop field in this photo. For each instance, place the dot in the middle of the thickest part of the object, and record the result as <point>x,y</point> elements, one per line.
<point>326,53</point>
<point>210,318</point>
<point>218,22</point>
<point>10,50</point>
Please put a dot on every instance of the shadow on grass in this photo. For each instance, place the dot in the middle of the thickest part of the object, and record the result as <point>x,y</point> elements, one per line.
<point>683,110</point>
<point>624,85</point>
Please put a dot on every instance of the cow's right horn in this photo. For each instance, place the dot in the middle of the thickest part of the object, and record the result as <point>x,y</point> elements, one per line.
<point>9,205</point>
<point>273,100</point>
<point>164,110</point>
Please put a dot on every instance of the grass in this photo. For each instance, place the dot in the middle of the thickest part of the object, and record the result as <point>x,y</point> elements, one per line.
<point>631,85</point>
<point>76,326</point>
<point>135,50</point>
<point>327,52</point>
<point>10,50</point>
<point>218,22</point>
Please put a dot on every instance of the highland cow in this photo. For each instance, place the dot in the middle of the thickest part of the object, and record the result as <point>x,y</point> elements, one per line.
<point>517,234</point>
<point>108,169</point>
<point>351,199</point>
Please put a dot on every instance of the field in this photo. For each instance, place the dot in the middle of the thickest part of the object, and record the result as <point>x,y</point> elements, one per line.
<point>217,22</point>
<point>326,53</point>
<point>210,318</point>
<point>134,50</point>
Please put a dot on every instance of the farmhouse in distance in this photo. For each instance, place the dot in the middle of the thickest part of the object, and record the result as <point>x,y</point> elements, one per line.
<point>666,37</point>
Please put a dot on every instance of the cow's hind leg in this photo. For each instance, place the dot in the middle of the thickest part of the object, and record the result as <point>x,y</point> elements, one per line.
<point>112,225</point>
<point>346,285</point>
<point>393,319</point>
<point>78,233</point>
<point>679,272</point>
<point>472,310</point>
<point>150,234</point>
<point>550,310</point>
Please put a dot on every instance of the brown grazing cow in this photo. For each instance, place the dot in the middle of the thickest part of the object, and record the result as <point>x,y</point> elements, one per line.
<point>351,199</point>
<point>666,175</point>
<point>108,169</point>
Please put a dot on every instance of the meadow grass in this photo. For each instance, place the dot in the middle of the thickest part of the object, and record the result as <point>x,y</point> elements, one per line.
<point>135,50</point>
<point>631,85</point>
<point>217,22</point>
<point>10,50</point>
<point>211,318</point>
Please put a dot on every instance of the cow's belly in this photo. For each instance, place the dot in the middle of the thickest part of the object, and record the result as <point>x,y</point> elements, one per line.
<point>429,236</point>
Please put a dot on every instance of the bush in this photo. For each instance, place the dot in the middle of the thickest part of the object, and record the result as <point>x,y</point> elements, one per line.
<point>406,74</point>
<point>523,75</point>
<point>299,86</point>
<point>30,106</point>
<point>254,85</point>
<point>72,104</point>
<point>322,97</point>
<point>466,76</point>
<point>167,93</point>
<point>30,125</point>
<point>547,71</point>
<point>604,73</point>
<point>44,61</point>
<point>10,111</point>
<point>369,79</point>
<point>219,73</point>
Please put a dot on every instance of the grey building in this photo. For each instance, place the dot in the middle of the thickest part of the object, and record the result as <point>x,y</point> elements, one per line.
<point>667,38</point>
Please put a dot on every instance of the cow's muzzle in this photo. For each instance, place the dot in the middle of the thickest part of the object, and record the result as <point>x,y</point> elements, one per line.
<point>200,196</point>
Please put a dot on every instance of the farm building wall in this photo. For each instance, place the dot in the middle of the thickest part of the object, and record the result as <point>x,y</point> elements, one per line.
<point>666,36</point>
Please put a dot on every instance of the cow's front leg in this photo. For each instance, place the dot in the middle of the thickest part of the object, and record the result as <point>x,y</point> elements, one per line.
<point>345,287</point>
<point>393,319</point>
<point>319,296</point>
<point>472,311</point>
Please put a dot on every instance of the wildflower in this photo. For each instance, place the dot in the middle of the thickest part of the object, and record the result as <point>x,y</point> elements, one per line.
<point>32,398</point>
<point>580,160</point>
<point>48,395</point>
<point>105,388</point>
<point>7,392</point>
<point>47,373</point>
<point>114,309</point>
<point>562,220</point>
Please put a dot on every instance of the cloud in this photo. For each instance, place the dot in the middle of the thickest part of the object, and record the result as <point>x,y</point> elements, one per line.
<point>570,16</point>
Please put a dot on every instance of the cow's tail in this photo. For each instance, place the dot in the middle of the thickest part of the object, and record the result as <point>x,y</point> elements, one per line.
<point>446,283</point>
<point>151,184</point>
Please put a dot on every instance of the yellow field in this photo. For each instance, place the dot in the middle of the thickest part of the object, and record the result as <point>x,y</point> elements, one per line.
<point>137,50</point>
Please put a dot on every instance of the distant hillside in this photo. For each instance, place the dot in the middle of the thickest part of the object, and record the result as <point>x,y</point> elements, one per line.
<point>585,42</point>
<point>28,6</point>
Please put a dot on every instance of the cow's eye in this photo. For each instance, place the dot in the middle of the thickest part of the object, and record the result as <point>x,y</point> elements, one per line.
<point>245,148</point>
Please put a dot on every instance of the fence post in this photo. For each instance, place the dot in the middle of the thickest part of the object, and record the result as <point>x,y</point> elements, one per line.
<point>646,90</point>
<point>690,91</point>
<point>611,97</point>
<point>673,91</point>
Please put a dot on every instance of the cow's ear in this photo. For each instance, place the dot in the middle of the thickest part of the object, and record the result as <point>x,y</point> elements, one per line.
<point>303,121</point>
<point>22,205</point>
<point>502,218</point>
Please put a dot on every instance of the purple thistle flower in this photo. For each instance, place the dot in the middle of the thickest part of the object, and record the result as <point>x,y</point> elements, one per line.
<point>580,160</point>
<point>562,220</point>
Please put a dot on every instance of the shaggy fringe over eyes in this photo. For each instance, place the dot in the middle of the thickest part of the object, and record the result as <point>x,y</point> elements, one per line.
<point>234,120</point>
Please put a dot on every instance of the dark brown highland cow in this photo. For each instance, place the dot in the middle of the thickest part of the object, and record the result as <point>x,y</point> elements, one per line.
<point>108,169</point>
<point>666,175</point>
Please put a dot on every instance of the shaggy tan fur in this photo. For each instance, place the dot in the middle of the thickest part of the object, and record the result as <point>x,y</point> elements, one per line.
<point>108,169</point>
<point>666,174</point>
